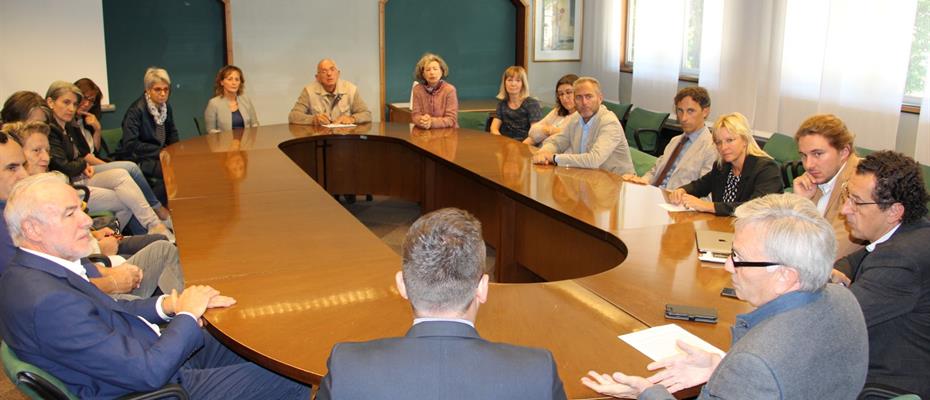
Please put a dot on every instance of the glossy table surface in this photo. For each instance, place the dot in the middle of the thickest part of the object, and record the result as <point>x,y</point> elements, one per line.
<point>307,274</point>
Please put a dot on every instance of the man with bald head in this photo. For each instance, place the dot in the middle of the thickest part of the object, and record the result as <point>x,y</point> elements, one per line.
<point>329,100</point>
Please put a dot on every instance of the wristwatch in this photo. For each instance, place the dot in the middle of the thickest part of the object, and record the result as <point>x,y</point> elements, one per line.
<point>553,160</point>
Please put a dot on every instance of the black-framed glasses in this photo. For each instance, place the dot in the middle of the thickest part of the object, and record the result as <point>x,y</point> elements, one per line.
<point>856,204</point>
<point>749,264</point>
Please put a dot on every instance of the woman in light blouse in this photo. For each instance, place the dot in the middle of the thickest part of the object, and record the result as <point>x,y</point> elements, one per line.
<point>553,122</point>
<point>517,111</point>
<point>741,173</point>
<point>435,102</point>
<point>230,109</point>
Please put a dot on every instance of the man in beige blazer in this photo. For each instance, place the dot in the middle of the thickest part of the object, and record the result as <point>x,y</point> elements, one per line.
<point>593,138</point>
<point>697,154</point>
<point>829,158</point>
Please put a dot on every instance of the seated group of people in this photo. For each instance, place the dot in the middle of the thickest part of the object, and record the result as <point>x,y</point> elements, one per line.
<point>106,331</point>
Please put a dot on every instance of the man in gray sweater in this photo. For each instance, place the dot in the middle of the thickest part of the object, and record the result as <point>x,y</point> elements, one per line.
<point>806,339</point>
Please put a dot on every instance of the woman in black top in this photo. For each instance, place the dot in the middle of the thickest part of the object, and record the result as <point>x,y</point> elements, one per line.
<point>516,110</point>
<point>742,171</point>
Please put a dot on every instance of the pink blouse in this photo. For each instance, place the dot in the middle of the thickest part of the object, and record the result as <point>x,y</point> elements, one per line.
<point>442,106</point>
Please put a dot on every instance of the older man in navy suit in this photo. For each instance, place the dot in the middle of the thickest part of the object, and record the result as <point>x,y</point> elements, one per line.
<point>54,318</point>
<point>442,356</point>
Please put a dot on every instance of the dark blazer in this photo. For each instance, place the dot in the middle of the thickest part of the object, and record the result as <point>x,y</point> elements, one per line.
<point>439,360</point>
<point>62,145</point>
<point>139,143</point>
<point>98,347</point>
<point>892,285</point>
<point>760,177</point>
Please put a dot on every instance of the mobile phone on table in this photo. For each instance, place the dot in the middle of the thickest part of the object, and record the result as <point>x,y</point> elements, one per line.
<point>728,292</point>
<point>691,313</point>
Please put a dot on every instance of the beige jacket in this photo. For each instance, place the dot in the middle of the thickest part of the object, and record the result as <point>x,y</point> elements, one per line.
<point>606,147</point>
<point>315,100</point>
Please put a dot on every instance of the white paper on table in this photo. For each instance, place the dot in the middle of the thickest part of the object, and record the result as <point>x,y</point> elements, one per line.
<point>672,207</point>
<point>339,126</point>
<point>658,342</point>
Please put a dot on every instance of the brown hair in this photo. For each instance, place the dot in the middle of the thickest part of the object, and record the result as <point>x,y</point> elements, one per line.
<point>565,80</point>
<point>696,93</point>
<point>517,71</point>
<point>424,61</point>
<point>86,85</point>
<point>222,74</point>
<point>19,105</point>
<point>831,128</point>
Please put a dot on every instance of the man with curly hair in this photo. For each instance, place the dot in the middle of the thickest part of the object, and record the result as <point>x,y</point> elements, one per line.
<point>885,203</point>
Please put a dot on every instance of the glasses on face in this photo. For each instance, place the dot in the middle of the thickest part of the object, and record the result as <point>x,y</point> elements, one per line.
<point>854,205</point>
<point>561,93</point>
<point>160,89</point>
<point>737,262</point>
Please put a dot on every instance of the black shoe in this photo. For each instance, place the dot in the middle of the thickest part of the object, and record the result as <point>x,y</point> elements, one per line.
<point>350,198</point>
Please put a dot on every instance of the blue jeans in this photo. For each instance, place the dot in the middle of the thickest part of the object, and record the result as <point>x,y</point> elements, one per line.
<point>137,177</point>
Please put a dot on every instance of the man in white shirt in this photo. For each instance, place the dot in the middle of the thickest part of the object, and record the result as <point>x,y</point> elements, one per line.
<point>442,356</point>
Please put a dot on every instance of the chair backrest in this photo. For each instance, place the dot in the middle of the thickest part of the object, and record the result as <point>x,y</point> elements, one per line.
<point>545,110</point>
<point>782,148</point>
<point>476,120</point>
<point>641,119</point>
<point>31,380</point>
<point>642,162</point>
<point>620,109</point>
<point>109,139</point>
<point>197,124</point>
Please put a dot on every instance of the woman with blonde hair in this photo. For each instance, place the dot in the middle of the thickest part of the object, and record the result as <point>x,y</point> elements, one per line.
<point>435,102</point>
<point>230,108</point>
<point>516,110</point>
<point>742,172</point>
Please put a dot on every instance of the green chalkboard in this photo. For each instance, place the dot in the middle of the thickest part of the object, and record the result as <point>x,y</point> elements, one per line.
<point>475,37</point>
<point>184,37</point>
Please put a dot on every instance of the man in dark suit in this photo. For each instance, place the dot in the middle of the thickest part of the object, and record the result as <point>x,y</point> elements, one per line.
<point>442,356</point>
<point>54,318</point>
<point>885,203</point>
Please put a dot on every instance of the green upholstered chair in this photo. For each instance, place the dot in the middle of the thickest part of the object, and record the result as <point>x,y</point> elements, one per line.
<point>620,109</point>
<point>876,391</point>
<point>476,120</point>
<point>643,128</point>
<point>862,151</point>
<point>642,162</point>
<point>545,110</point>
<point>38,384</point>
<point>109,139</point>
<point>782,148</point>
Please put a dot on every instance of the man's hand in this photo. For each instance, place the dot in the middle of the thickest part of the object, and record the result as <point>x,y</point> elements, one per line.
<point>618,385</point>
<point>804,186</point>
<point>126,277</point>
<point>838,277</point>
<point>321,119</point>
<point>634,179</point>
<point>345,119</point>
<point>108,245</point>
<point>682,371</point>
<point>543,157</point>
<point>196,300</point>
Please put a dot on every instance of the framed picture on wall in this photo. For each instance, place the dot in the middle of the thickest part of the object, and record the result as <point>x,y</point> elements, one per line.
<point>557,30</point>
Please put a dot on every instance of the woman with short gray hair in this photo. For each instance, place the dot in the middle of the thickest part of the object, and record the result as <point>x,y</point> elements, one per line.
<point>148,127</point>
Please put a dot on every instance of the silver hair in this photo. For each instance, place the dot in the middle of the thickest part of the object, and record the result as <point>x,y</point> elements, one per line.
<point>588,79</point>
<point>59,88</point>
<point>24,202</point>
<point>443,261</point>
<point>795,235</point>
<point>155,75</point>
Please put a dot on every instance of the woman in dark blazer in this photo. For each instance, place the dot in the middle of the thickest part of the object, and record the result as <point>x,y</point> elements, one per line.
<point>148,127</point>
<point>742,171</point>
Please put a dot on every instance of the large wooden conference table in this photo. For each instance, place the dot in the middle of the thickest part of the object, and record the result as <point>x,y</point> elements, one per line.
<point>581,257</point>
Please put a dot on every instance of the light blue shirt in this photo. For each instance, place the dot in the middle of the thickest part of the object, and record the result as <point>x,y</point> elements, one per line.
<point>692,137</point>
<point>585,128</point>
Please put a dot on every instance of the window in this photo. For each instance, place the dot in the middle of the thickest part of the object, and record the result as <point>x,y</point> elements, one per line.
<point>691,49</point>
<point>916,87</point>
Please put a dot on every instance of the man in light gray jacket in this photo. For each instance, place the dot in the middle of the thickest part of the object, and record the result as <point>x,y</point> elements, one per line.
<point>806,339</point>
<point>593,138</point>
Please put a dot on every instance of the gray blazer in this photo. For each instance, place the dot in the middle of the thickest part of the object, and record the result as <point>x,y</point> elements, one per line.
<point>439,360</point>
<point>218,117</point>
<point>606,148</point>
<point>892,285</point>
<point>816,351</point>
<point>696,161</point>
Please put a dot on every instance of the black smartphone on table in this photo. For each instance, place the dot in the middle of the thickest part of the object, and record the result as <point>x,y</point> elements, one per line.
<point>691,313</point>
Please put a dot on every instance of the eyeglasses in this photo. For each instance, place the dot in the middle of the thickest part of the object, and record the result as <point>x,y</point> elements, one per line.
<point>855,204</point>
<point>565,92</point>
<point>160,90</point>
<point>751,264</point>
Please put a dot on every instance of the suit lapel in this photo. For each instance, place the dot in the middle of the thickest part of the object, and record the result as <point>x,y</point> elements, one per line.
<point>746,175</point>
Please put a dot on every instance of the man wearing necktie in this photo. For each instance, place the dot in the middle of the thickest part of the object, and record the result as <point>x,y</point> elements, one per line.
<point>690,155</point>
<point>885,203</point>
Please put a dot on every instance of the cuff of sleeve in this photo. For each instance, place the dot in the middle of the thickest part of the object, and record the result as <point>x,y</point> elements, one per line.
<point>188,314</point>
<point>655,391</point>
<point>555,159</point>
<point>160,310</point>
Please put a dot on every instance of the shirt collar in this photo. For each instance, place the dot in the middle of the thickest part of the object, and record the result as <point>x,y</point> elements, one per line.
<point>871,246</point>
<point>828,186</point>
<point>588,124</point>
<point>778,305</point>
<point>73,266</point>
<point>692,136</point>
<point>430,319</point>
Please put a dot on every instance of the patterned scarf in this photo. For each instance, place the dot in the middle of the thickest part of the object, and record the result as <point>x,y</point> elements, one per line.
<point>160,112</point>
<point>430,90</point>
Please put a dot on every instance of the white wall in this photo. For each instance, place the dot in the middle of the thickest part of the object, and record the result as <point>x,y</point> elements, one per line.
<point>278,43</point>
<point>42,41</point>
